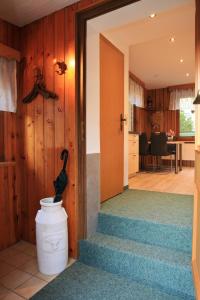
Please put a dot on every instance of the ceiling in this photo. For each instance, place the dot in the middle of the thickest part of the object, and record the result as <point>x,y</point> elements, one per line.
<point>22,12</point>
<point>152,57</point>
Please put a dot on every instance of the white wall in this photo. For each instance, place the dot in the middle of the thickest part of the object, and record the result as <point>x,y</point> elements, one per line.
<point>93,95</point>
<point>92,92</point>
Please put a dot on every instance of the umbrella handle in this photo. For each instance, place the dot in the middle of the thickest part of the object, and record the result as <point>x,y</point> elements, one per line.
<point>64,156</point>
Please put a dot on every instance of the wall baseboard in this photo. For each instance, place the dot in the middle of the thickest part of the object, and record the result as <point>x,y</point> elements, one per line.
<point>126,187</point>
<point>196,279</point>
<point>186,163</point>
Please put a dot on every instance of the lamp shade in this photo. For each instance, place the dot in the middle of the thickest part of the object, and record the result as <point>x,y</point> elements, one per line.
<point>197,99</point>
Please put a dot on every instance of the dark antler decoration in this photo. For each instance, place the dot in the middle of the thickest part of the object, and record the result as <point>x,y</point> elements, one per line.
<point>39,88</point>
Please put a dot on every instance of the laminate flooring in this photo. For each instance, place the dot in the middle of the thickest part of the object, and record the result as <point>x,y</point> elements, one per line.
<point>168,182</point>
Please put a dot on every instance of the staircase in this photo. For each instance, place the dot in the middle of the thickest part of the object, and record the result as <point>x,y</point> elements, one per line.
<point>141,251</point>
<point>154,255</point>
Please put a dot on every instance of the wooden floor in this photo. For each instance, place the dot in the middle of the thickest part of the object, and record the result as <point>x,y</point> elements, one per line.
<point>181,183</point>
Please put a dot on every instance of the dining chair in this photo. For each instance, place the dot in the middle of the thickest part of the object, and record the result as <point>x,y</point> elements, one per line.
<point>143,148</point>
<point>159,147</point>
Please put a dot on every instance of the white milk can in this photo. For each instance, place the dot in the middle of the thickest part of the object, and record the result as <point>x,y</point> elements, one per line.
<point>51,237</point>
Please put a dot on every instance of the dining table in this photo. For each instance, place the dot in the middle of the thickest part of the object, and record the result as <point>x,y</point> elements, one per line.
<point>178,154</point>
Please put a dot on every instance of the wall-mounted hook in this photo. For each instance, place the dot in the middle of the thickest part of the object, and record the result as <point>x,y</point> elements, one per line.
<point>61,66</point>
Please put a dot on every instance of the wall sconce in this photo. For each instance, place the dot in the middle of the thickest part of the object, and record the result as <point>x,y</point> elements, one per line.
<point>61,66</point>
<point>197,99</point>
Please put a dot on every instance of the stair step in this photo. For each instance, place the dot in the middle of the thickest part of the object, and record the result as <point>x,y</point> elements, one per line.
<point>165,235</point>
<point>84,282</point>
<point>166,268</point>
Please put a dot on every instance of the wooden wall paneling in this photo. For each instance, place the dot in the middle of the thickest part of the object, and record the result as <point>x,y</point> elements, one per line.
<point>13,36</point>
<point>9,34</point>
<point>38,115</point>
<point>9,192</point>
<point>13,136</point>
<point>154,99</point>
<point>8,155</point>
<point>59,120</point>
<point>4,228</point>
<point>29,138</point>
<point>1,136</point>
<point>3,32</point>
<point>12,207</point>
<point>161,99</point>
<point>21,135</point>
<point>157,99</point>
<point>8,207</point>
<point>49,120</point>
<point>70,126</point>
<point>166,99</point>
<point>59,89</point>
<point>9,52</point>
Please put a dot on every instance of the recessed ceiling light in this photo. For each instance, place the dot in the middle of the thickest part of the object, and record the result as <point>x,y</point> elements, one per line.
<point>153,15</point>
<point>181,60</point>
<point>187,74</point>
<point>172,39</point>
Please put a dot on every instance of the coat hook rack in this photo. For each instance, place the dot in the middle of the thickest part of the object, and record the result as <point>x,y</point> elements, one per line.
<point>39,88</point>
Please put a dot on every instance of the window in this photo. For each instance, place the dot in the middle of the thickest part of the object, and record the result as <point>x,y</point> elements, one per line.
<point>136,98</point>
<point>187,117</point>
<point>8,85</point>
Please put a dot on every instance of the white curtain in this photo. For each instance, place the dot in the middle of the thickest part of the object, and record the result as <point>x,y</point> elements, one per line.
<point>177,94</point>
<point>136,93</point>
<point>131,117</point>
<point>8,85</point>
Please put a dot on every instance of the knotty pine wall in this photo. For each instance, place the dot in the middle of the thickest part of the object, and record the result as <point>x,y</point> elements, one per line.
<point>9,192</point>
<point>141,120</point>
<point>169,119</point>
<point>45,126</point>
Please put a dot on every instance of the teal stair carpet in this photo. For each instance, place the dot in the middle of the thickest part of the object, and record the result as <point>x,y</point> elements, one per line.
<point>141,250</point>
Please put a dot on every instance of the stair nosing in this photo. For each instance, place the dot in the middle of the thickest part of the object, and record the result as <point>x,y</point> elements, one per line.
<point>148,256</point>
<point>148,221</point>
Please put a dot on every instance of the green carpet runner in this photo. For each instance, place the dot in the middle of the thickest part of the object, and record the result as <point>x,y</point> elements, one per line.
<point>142,250</point>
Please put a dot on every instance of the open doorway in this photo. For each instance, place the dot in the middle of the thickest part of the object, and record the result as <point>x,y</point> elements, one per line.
<point>158,96</point>
<point>142,214</point>
<point>161,100</point>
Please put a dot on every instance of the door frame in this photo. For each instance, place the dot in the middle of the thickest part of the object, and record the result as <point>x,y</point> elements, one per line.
<point>80,90</point>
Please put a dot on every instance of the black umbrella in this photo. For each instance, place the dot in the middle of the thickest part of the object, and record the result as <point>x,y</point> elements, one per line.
<point>62,180</point>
